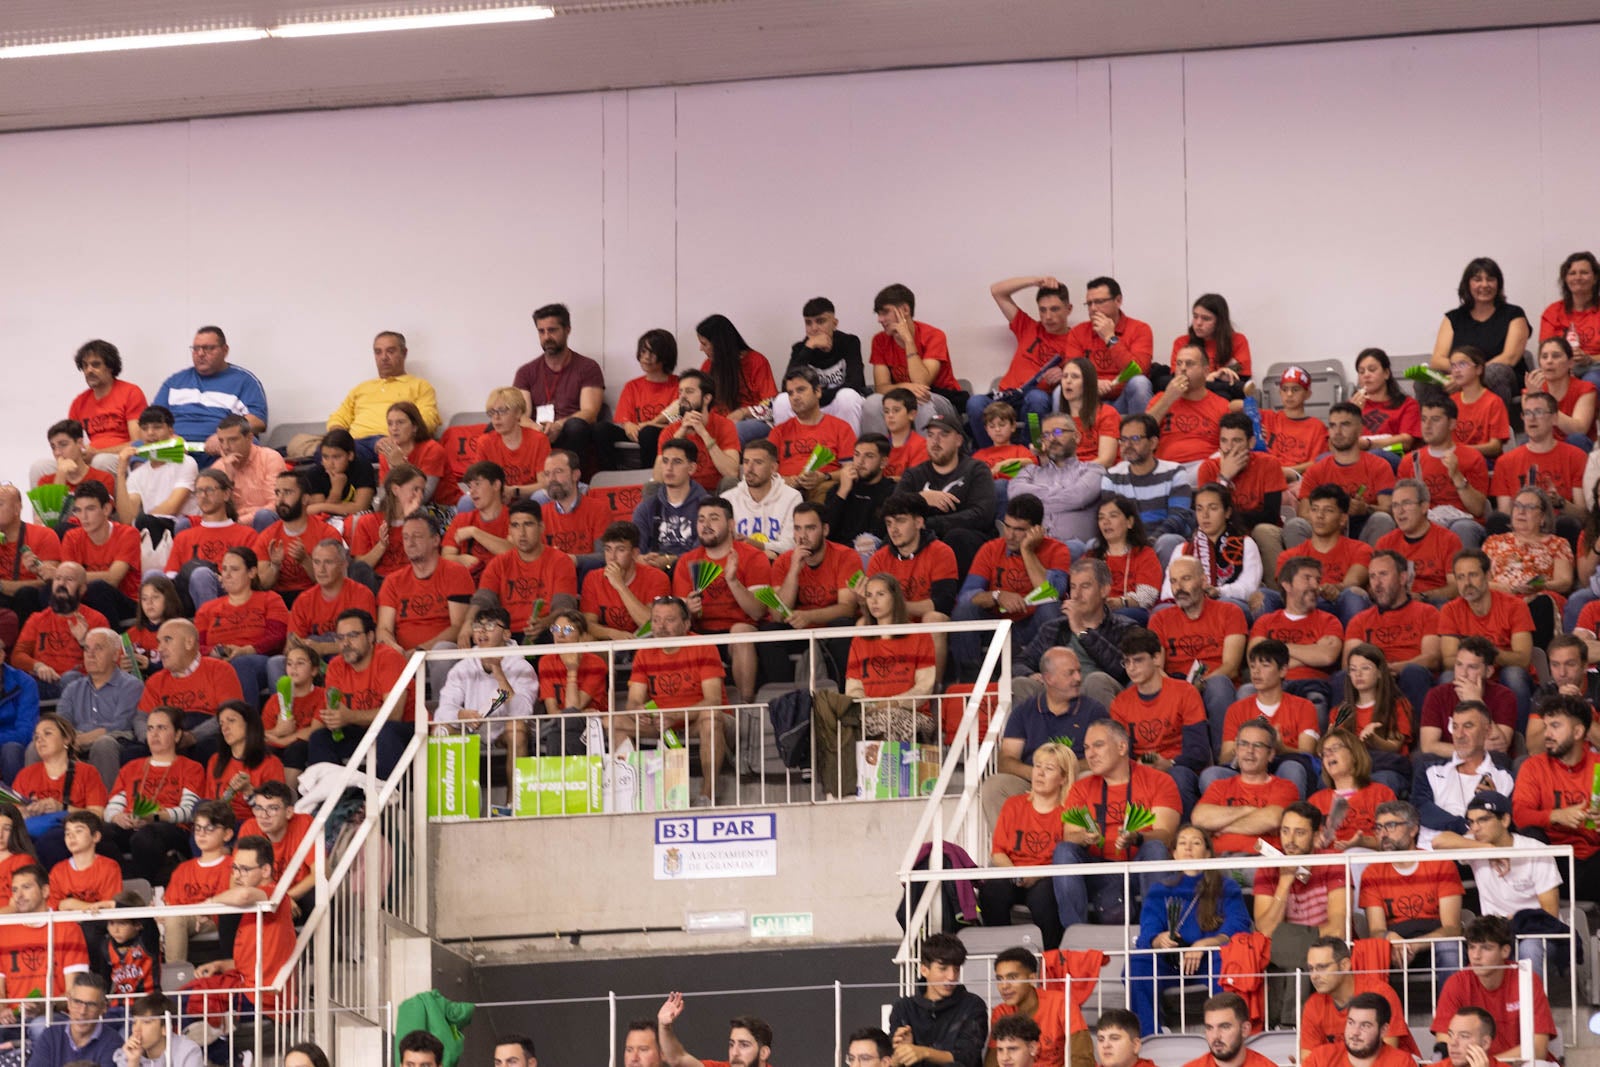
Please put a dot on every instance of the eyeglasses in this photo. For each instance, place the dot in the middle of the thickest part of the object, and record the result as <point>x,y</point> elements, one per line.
<point>1517,505</point>
<point>1131,439</point>
<point>86,1005</point>
<point>1094,302</point>
<point>487,624</point>
<point>204,349</point>
<point>1389,826</point>
<point>1252,744</point>
<point>345,639</point>
<point>205,827</point>
<point>497,412</point>
<point>266,808</point>
<point>565,629</point>
<point>246,868</point>
<point>1059,431</point>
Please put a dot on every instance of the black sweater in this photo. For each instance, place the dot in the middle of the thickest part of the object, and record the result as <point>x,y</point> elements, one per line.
<point>958,1024</point>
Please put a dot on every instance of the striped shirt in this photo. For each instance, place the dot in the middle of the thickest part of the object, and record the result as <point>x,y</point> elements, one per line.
<point>1165,486</point>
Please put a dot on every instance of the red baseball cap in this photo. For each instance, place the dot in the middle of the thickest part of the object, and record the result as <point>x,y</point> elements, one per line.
<point>1296,376</point>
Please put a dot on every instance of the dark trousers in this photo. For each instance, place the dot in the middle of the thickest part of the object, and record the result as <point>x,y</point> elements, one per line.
<point>156,848</point>
<point>323,747</point>
<point>110,601</point>
<point>996,898</point>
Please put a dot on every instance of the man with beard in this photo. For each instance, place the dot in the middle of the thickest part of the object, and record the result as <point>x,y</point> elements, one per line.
<point>526,576</point>
<point>726,605</point>
<point>573,520</point>
<point>1227,1020</point>
<point>616,599</point>
<point>1005,571</point>
<point>479,533</point>
<point>1412,903</point>
<point>563,390</point>
<point>1366,478</point>
<point>1490,982</point>
<point>957,490</point>
<point>810,428</point>
<point>1296,905</point>
<point>284,547</point>
<point>713,435</point>
<point>423,604</point>
<point>1502,618</point>
<point>25,548</point>
<point>1366,1021</point>
<point>763,505</point>
<point>749,1040</point>
<point>51,643</point>
<point>1569,675</point>
<point>1203,630</point>
<point>945,1023</point>
<point>1405,628</point>
<point>1068,487</point>
<point>852,508</point>
<point>685,685</point>
<point>1241,810</point>
<point>194,684</point>
<point>1552,795</point>
<point>365,672</point>
<point>1472,1031</point>
<point>666,518</point>
<point>1323,1017</point>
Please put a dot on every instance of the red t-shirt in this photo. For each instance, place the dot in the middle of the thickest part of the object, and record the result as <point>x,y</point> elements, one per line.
<point>1262,474</point>
<point>1367,478</point>
<point>1335,1055</point>
<point>1544,784</point>
<point>1441,488</point>
<point>93,474</point>
<point>1378,419</point>
<point>719,611</point>
<point>642,399</point>
<point>1404,897</point>
<point>1241,352</point>
<point>35,783</point>
<point>1191,429</point>
<point>1292,441</point>
<point>1129,571</point>
<point>931,344</point>
<point>195,881</point>
<point>523,465</point>
<point>1001,453</point>
<point>591,679</point>
<point>121,546</point>
<point>1589,617</point>
<point>796,441</point>
<point>1107,803</point>
<point>1363,811</point>
<point>269,769</point>
<point>222,622</point>
<point>1429,555</point>
<point>210,684</point>
<point>460,444</point>
<point>1135,343</point>
<point>47,638</point>
<point>283,851</point>
<point>1000,570</point>
<point>295,575</point>
<point>1023,834</point>
<point>818,587</point>
<point>934,563</point>
<point>1156,723</point>
<point>1322,1022</point>
<point>1307,630</point>
<point>1558,472</point>
<point>27,953</point>
<point>41,541</point>
<point>756,384</point>
<point>277,944</point>
<point>911,452</point>
<point>519,582</point>
<point>1482,420</point>
<point>1035,348</point>
<point>1465,989</point>
<point>722,431</point>
<point>474,554</point>
<point>366,689</point>
<point>1557,321</point>
<point>1399,632</point>
<point>1293,718</point>
<point>1107,423</point>
<point>105,421</point>
<point>164,785</point>
<point>432,459</point>
<point>1235,792</point>
<point>306,710</point>
<point>208,542</point>
<point>1336,562</point>
<point>1567,402</point>
<point>675,679</point>
<point>314,613</point>
<point>422,605</point>
<point>101,880</point>
<point>603,602</point>
<point>887,666</point>
<point>365,538</point>
<point>1051,1017</point>
<point>575,532</point>
<point>1184,640</point>
<point>1507,615</point>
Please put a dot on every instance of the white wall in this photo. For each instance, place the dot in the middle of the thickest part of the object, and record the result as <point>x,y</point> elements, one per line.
<point>1332,192</point>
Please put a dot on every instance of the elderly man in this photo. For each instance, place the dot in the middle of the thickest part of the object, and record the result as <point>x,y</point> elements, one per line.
<point>1004,572</point>
<point>1416,905</point>
<point>1429,548</point>
<point>1442,791</point>
<point>365,410</point>
<point>684,685</point>
<point>51,643</point>
<point>190,682</point>
<point>200,396</point>
<point>1090,629</point>
<point>254,471</point>
<point>1058,709</point>
<point>957,489</point>
<point>1068,487</point>
<point>1244,809</point>
<point>1112,784</point>
<point>85,1038</point>
<point>1203,630</point>
<point>564,390</point>
<point>102,705</point>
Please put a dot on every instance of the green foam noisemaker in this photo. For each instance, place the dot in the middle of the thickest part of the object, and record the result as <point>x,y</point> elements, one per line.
<point>704,573</point>
<point>286,698</point>
<point>1044,594</point>
<point>335,698</point>
<point>821,456</point>
<point>1424,373</point>
<point>48,500</point>
<point>1033,429</point>
<point>1130,372</point>
<point>1011,468</point>
<point>133,661</point>
<point>769,596</point>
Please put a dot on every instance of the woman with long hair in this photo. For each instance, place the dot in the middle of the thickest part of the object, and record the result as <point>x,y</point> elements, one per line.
<point>1388,416</point>
<point>1575,398</point>
<point>1382,719</point>
<point>741,376</point>
<point>409,442</point>
<point>1482,419</point>
<point>16,850</point>
<point>1025,835</point>
<point>1099,424</point>
<point>244,626</point>
<point>243,763</point>
<point>1227,351</point>
<point>57,783</point>
<point>1121,541</point>
<point>1347,775</point>
<point>157,840</point>
<point>376,542</point>
<point>1533,561</point>
<point>1576,316</point>
<point>1482,319</point>
<point>891,672</point>
<point>158,602</point>
<point>345,483</point>
<point>1229,558</point>
<point>647,403</point>
<point>1185,917</point>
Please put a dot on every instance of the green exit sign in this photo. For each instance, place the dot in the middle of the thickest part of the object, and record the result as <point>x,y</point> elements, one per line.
<point>781,924</point>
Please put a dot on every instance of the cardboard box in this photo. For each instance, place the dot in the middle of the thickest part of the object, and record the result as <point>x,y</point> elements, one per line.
<point>662,776</point>
<point>454,777</point>
<point>895,770</point>
<point>558,785</point>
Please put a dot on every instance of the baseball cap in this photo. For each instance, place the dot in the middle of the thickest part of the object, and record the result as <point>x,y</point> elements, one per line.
<point>945,422</point>
<point>1296,376</point>
<point>1491,802</point>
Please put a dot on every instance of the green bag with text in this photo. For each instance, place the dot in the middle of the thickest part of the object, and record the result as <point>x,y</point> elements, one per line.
<point>455,784</point>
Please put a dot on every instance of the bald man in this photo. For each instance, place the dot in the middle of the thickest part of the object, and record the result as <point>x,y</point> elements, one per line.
<point>192,683</point>
<point>50,647</point>
<point>21,581</point>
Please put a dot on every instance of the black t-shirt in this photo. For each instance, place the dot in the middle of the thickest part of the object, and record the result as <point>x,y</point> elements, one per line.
<point>357,476</point>
<point>1489,336</point>
<point>839,367</point>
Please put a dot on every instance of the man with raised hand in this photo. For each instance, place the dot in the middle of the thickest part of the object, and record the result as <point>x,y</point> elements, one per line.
<point>749,1039</point>
<point>1042,347</point>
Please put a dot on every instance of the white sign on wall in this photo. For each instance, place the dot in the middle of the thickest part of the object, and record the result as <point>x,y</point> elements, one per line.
<point>736,845</point>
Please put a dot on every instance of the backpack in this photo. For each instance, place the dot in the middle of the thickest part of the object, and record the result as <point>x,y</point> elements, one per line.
<point>790,716</point>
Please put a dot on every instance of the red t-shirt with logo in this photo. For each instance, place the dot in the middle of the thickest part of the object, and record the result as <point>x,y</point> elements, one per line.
<point>519,582</point>
<point>1035,348</point>
<point>887,666</point>
<point>1292,441</point>
<point>1241,352</point>
<point>1507,615</point>
<point>756,384</point>
<point>314,613</point>
<point>818,587</point>
<point>1107,803</point>
<point>575,532</point>
<point>522,465</point>
<point>1191,428</point>
<point>211,683</point>
<point>1235,792</point>
<point>1558,472</point>
<point>1156,723</point>
<point>283,851</point>
<point>1306,630</point>
<point>601,600</point>
<point>676,679</point>
<point>105,420</point>
<point>591,679</point>
<point>1262,474</point>
<point>1107,423</point>
<point>293,574</point>
<point>1399,632</point>
<point>208,542</point>
<point>931,344</point>
<point>1429,555</point>
<point>1544,784</point>
<point>422,605</point>
<point>1482,420</point>
<point>1367,478</point>
<point>1336,562</point>
<point>35,783</point>
<point>934,563</point>
<point>1404,897</point>
<point>47,638</point>
<point>911,452</point>
<point>195,881</point>
<point>41,541</point>
<point>1000,570</point>
<point>1023,834</point>
<point>796,441</point>
<point>277,944</point>
<point>101,880</point>
<point>1132,569</point>
<point>1567,403</point>
<point>1184,640</point>
<point>365,537</point>
<point>473,554</point>
<point>719,611</point>
<point>1441,488</point>
<point>1363,808</point>
<point>642,399</point>
<point>722,431</point>
<point>1293,718</point>
<point>1465,989</point>
<point>222,622</point>
<point>366,689</point>
<point>1135,343</point>
<point>121,546</point>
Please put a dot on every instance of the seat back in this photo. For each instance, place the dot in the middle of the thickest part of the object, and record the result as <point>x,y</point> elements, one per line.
<point>460,442</point>
<point>1329,385</point>
<point>619,491</point>
<point>1174,1050</point>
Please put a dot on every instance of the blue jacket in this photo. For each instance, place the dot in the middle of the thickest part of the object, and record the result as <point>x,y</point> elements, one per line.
<point>1153,917</point>
<point>668,529</point>
<point>19,706</point>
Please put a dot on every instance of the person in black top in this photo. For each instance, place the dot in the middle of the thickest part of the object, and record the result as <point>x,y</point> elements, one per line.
<point>836,357</point>
<point>958,490</point>
<point>340,483</point>
<point>1486,321</point>
<point>853,508</point>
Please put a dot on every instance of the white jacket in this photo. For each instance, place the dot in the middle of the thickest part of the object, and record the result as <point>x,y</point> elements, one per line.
<point>772,518</point>
<point>470,686</point>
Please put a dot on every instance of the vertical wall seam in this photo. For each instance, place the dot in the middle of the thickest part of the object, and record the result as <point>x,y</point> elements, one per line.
<point>1111,166</point>
<point>677,258</point>
<point>1544,175</point>
<point>1183,113</point>
<point>605,249</point>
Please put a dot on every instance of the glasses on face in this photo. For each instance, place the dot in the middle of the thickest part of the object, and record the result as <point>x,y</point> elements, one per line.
<point>1517,505</point>
<point>497,412</point>
<point>1332,750</point>
<point>86,1005</point>
<point>205,827</point>
<point>204,350</point>
<point>1095,302</point>
<point>349,639</point>
<point>1131,438</point>
<point>1389,826</point>
<point>1252,745</point>
<point>1059,431</point>
<point>244,868</point>
<point>565,629</point>
<point>486,624</point>
<point>264,808</point>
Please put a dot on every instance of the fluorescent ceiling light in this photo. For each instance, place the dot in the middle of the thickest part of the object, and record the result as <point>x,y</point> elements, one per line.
<point>131,41</point>
<point>433,20</point>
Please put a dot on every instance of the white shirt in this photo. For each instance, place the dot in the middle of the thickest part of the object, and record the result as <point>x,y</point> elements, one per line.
<point>1452,789</point>
<point>154,484</point>
<point>1519,888</point>
<point>771,517</point>
<point>180,1052</point>
<point>472,687</point>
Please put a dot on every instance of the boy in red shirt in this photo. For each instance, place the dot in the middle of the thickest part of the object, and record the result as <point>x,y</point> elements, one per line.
<point>1291,437</point>
<point>1164,717</point>
<point>109,551</point>
<point>478,534</point>
<point>907,447</point>
<point>1000,420</point>
<point>617,597</point>
<point>197,880</point>
<point>529,573</point>
<point>85,880</point>
<point>1344,560</point>
<point>1491,984</point>
<point>911,354</point>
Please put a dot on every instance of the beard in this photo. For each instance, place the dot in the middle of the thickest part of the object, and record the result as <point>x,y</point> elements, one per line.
<point>1221,1052</point>
<point>1363,1053</point>
<point>64,601</point>
<point>291,512</point>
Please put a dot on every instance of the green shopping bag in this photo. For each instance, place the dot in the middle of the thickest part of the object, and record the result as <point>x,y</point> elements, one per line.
<point>454,777</point>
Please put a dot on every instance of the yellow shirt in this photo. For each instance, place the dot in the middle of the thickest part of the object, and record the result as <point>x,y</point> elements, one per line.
<point>365,411</point>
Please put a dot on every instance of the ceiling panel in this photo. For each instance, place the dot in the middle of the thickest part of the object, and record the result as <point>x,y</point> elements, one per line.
<point>640,43</point>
